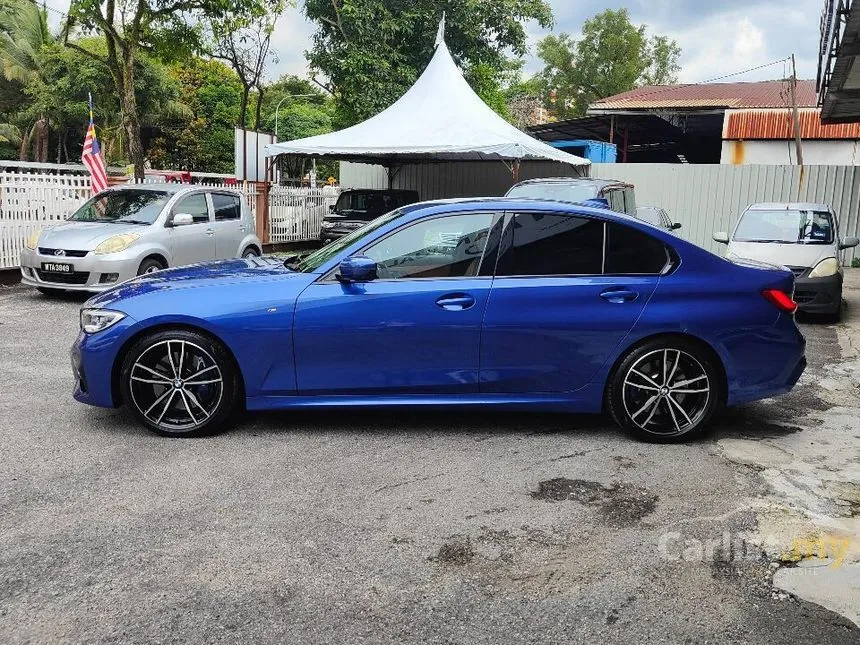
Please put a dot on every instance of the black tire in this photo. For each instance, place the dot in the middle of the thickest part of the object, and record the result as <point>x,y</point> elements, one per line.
<point>150,265</point>
<point>190,409</point>
<point>50,292</point>
<point>662,403</point>
<point>250,252</point>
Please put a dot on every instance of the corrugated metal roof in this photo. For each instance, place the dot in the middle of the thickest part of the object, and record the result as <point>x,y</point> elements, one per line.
<point>776,124</point>
<point>764,94</point>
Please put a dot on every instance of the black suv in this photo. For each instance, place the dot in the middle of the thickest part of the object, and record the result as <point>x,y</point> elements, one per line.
<point>355,208</point>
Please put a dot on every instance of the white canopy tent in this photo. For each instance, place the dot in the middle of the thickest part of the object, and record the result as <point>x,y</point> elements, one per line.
<point>438,119</point>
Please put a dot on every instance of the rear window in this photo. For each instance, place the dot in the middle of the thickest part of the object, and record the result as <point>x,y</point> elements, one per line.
<point>629,251</point>
<point>555,191</point>
<point>547,244</point>
<point>226,206</point>
<point>785,227</point>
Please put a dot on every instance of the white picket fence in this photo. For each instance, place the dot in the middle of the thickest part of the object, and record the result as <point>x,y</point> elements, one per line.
<point>34,200</point>
<point>295,214</point>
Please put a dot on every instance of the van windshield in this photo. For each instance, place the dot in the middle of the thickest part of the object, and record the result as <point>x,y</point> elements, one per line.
<point>558,192</point>
<point>785,227</point>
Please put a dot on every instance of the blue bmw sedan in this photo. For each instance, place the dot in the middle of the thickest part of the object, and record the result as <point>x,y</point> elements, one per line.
<point>517,304</point>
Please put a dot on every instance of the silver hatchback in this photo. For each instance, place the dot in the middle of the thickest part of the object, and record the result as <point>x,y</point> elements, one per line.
<point>126,231</point>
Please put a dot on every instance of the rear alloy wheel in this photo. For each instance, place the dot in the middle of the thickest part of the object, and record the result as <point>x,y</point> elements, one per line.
<point>665,391</point>
<point>180,383</point>
<point>149,265</point>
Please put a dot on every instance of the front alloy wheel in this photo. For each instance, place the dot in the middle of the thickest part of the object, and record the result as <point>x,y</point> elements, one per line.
<point>665,391</point>
<point>180,383</point>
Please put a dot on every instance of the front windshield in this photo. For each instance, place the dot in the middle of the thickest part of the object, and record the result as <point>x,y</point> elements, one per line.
<point>557,192</point>
<point>785,227</point>
<point>319,257</point>
<point>128,206</point>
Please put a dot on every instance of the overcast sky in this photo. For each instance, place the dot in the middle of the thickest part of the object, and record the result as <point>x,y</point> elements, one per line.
<point>717,37</point>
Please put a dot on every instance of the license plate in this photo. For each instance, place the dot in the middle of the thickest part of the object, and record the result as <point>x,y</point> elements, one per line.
<point>56,267</point>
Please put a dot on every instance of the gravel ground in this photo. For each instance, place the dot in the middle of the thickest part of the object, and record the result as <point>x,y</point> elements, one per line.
<point>377,527</point>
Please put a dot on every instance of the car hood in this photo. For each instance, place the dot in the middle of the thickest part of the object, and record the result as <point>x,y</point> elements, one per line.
<point>84,236</point>
<point>207,274</point>
<point>792,255</point>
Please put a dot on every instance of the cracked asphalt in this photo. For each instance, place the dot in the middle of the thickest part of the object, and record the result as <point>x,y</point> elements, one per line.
<point>401,527</point>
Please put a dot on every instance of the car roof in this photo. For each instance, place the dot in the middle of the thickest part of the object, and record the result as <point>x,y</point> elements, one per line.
<point>171,188</point>
<point>474,204</point>
<point>789,206</point>
<point>574,180</point>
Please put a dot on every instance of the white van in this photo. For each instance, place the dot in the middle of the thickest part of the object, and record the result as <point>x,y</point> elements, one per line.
<point>801,236</point>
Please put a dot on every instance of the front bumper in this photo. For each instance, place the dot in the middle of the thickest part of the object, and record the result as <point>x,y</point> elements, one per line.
<point>819,295</point>
<point>91,272</point>
<point>93,357</point>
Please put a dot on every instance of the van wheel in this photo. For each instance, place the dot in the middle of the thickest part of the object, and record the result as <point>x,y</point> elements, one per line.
<point>250,252</point>
<point>666,390</point>
<point>149,265</point>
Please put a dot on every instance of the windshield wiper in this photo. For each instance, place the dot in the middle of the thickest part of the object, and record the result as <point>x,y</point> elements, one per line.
<point>130,221</point>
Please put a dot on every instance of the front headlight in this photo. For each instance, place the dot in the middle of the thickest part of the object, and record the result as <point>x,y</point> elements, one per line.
<point>33,240</point>
<point>116,243</point>
<point>95,320</point>
<point>825,268</point>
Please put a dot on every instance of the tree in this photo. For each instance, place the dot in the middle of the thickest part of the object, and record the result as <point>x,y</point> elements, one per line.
<point>371,51</point>
<point>612,56</point>
<point>129,27</point>
<point>23,34</point>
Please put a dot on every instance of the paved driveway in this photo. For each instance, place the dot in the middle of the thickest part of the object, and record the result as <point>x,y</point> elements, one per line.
<point>395,527</point>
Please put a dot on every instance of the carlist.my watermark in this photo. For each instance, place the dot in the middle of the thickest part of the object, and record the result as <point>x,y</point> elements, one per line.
<point>727,547</point>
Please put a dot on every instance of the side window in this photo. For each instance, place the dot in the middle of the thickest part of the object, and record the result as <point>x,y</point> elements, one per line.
<point>227,207</point>
<point>629,201</point>
<point>549,244</point>
<point>444,247</point>
<point>196,206</point>
<point>629,251</point>
<point>615,198</point>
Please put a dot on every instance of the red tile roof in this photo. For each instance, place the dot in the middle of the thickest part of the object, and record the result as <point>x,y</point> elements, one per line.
<point>776,124</point>
<point>764,94</point>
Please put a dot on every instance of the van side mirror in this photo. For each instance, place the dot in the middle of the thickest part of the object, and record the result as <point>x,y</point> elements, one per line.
<point>182,219</point>
<point>358,268</point>
<point>722,237</point>
<point>849,243</point>
<point>676,226</point>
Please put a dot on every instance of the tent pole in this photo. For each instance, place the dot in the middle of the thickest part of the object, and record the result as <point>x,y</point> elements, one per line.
<point>516,171</point>
<point>392,171</point>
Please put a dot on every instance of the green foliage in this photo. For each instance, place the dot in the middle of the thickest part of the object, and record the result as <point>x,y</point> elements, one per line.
<point>612,56</point>
<point>373,50</point>
<point>855,263</point>
<point>202,138</point>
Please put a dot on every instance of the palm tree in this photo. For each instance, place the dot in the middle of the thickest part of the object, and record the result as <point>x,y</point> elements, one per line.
<point>23,33</point>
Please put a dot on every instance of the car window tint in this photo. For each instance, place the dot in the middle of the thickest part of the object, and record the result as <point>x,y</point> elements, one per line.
<point>445,247</point>
<point>226,207</point>
<point>196,206</point>
<point>631,251</point>
<point>549,244</point>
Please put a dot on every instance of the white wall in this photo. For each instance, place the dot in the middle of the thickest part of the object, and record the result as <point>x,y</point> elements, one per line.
<point>815,152</point>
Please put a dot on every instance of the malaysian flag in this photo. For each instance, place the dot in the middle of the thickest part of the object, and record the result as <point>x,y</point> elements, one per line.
<point>92,157</point>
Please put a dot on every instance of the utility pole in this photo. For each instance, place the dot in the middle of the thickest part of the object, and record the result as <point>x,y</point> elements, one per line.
<point>795,114</point>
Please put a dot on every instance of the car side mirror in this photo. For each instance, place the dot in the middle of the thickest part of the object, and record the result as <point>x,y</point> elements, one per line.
<point>331,208</point>
<point>849,243</point>
<point>676,226</point>
<point>182,219</point>
<point>358,268</point>
<point>722,237</point>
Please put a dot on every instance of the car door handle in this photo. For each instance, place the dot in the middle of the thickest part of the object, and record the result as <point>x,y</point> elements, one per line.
<point>456,301</point>
<point>619,295</point>
<point>210,231</point>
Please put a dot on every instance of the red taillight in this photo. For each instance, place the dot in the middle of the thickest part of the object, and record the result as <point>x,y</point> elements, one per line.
<point>781,300</point>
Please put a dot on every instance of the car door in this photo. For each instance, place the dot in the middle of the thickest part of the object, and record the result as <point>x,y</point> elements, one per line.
<point>413,330</point>
<point>192,242</point>
<point>229,227</point>
<point>568,289</point>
